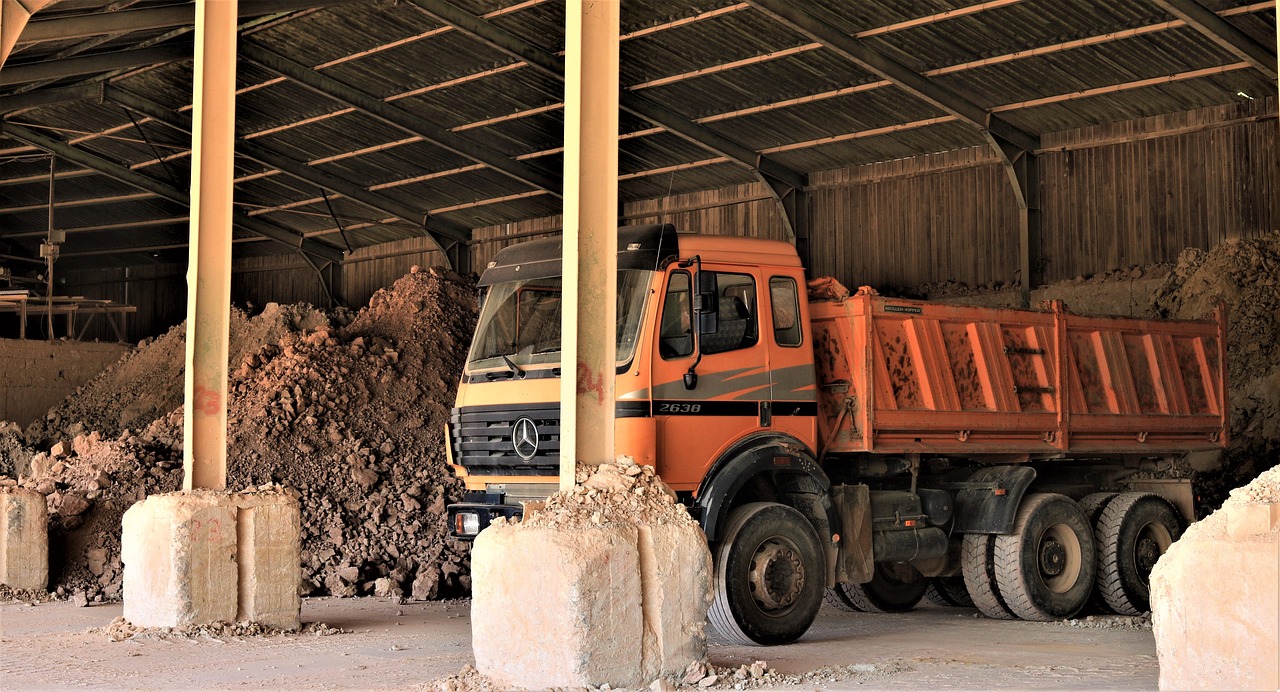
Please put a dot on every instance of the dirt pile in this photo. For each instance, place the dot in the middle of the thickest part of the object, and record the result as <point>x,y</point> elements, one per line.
<point>350,416</point>
<point>1245,275</point>
<point>147,383</point>
<point>88,486</point>
<point>15,455</point>
<point>354,419</point>
<point>619,492</point>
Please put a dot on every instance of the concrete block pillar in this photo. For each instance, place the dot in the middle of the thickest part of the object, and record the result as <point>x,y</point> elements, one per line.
<point>195,557</point>
<point>582,607</point>
<point>24,539</point>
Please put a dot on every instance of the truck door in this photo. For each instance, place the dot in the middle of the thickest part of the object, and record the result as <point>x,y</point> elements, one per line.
<point>695,425</point>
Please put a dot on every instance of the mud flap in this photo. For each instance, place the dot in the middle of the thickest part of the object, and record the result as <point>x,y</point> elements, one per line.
<point>855,563</point>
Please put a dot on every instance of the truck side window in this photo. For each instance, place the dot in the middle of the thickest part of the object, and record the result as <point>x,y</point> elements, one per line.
<point>675,338</point>
<point>739,326</point>
<point>786,311</point>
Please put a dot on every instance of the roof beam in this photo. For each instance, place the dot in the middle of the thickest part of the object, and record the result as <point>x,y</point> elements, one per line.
<point>436,228</point>
<point>553,66</point>
<point>100,23</point>
<point>525,173</point>
<point>91,91</point>
<point>123,174</point>
<point>1223,33</point>
<point>818,26</point>
<point>92,64</point>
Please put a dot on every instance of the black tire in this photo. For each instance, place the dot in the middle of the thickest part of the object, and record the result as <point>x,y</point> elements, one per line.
<point>1132,533</point>
<point>948,592</point>
<point>1045,569</point>
<point>1093,504</point>
<point>836,598</point>
<point>895,587</point>
<point>769,575</point>
<point>976,563</point>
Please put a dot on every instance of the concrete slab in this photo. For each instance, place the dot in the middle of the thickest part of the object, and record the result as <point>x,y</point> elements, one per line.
<point>24,539</point>
<point>197,557</point>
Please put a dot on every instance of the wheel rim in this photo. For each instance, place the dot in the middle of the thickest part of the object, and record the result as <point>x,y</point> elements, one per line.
<point>1153,540</point>
<point>1058,555</point>
<point>777,575</point>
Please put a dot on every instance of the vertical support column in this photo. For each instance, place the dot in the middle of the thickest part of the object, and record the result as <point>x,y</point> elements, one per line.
<point>796,206</point>
<point>590,234</point>
<point>209,266</point>
<point>1027,170</point>
<point>459,256</point>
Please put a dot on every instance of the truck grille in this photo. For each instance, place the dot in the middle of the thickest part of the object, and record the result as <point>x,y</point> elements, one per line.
<point>482,440</point>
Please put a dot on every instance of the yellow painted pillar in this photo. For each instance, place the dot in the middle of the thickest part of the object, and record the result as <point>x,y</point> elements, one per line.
<point>209,266</point>
<point>590,234</point>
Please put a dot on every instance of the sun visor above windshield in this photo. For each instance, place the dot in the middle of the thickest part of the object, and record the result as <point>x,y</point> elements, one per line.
<point>639,247</point>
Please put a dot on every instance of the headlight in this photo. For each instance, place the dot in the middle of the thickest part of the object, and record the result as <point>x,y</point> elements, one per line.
<point>466,523</point>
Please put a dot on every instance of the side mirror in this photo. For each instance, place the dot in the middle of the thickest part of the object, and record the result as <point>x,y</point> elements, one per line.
<point>706,303</point>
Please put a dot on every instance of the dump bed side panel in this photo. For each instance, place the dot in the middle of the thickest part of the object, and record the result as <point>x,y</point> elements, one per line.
<point>901,376</point>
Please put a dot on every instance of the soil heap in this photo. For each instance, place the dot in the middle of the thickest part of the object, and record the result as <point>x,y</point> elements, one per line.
<point>351,416</point>
<point>1245,274</point>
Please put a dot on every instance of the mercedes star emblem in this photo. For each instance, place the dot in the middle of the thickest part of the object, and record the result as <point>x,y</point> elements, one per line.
<point>524,437</point>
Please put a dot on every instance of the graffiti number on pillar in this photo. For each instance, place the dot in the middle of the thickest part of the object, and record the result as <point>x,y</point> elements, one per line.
<point>207,401</point>
<point>589,381</point>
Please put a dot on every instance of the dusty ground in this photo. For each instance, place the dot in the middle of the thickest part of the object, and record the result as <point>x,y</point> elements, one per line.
<point>411,645</point>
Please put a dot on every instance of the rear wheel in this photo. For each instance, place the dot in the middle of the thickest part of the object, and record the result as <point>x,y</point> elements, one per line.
<point>1045,569</point>
<point>978,566</point>
<point>948,592</point>
<point>1093,504</point>
<point>769,575</point>
<point>895,587</point>
<point>1132,533</point>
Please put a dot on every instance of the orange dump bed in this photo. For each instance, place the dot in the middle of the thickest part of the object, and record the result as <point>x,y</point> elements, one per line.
<point>903,376</point>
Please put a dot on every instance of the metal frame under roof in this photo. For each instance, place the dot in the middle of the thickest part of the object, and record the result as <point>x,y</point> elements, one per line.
<point>367,121</point>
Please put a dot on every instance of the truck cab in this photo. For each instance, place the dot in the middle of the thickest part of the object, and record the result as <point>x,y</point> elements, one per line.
<point>685,397</point>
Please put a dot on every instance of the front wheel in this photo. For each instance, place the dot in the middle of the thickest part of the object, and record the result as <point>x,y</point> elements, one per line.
<point>769,575</point>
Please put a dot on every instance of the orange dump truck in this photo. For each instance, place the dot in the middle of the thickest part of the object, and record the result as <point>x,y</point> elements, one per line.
<point>867,450</point>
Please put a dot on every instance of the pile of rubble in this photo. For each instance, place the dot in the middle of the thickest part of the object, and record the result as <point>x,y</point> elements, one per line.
<point>120,629</point>
<point>620,492</point>
<point>352,416</point>
<point>15,454</point>
<point>708,676</point>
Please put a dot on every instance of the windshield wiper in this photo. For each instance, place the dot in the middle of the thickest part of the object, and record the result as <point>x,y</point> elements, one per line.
<point>515,369</point>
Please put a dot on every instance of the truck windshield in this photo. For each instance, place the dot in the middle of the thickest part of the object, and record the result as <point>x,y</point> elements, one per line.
<point>520,322</point>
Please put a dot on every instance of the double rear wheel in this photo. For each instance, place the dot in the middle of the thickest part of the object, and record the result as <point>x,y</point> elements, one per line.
<point>1044,570</point>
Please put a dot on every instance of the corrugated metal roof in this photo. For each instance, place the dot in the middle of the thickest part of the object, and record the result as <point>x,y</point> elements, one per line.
<point>728,67</point>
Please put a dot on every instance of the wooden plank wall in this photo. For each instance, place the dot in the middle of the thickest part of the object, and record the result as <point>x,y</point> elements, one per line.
<point>913,221</point>
<point>1112,196</point>
<point>1141,191</point>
